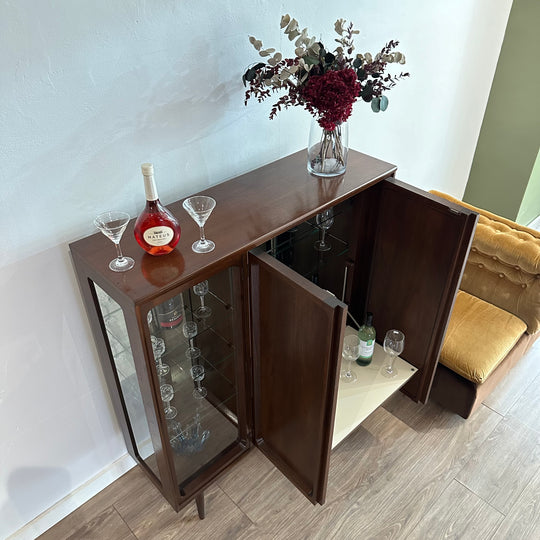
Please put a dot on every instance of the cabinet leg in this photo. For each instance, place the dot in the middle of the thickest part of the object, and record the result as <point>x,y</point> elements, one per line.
<point>200,505</point>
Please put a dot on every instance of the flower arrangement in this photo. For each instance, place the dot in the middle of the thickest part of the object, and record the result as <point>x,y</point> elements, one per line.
<point>325,83</point>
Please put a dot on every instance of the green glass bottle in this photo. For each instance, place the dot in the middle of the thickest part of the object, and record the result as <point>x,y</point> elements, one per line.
<point>367,341</point>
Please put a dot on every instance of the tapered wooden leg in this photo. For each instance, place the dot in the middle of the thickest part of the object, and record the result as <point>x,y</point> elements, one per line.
<point>200,505</point>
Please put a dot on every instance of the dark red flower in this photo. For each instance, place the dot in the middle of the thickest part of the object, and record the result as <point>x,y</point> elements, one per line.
<point>330,96</point>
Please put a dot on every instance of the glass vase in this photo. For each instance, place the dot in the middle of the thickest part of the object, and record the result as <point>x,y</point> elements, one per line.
<point>327,150</point>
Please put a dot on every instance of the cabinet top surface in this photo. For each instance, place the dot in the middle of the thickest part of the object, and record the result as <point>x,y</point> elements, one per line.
<point>250,209</point>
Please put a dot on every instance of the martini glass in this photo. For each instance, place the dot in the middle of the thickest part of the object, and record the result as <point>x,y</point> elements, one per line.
<point>199,208</point>
<point>113,225</point>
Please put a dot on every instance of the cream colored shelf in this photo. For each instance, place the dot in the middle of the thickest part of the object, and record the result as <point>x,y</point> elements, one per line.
<point>357,400</point>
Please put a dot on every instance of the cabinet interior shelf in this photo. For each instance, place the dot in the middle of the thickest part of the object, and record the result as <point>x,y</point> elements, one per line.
<point>357,400</point>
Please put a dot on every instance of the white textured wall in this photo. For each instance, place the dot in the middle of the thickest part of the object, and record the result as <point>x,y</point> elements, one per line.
<point>89,90</point>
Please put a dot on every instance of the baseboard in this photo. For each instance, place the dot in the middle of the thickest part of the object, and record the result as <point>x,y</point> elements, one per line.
<point>73,500</point>
<point>535,224</point>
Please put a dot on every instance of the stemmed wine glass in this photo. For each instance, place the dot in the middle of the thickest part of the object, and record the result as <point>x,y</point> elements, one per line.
<point>167,393</point>
<point>324,221</point>
<point>351,351</point>
<point>190,329</point>
<point>197,374</point>
<point>158,347</point>
<point>113,225</point>
<point>394,343</point>
<point>201,290</point>
<point>199,208</point>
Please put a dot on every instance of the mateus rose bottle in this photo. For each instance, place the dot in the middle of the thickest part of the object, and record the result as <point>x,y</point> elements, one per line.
<point>156,230</point>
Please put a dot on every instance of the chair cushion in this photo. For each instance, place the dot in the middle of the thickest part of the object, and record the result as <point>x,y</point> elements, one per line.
<point>478,338</point>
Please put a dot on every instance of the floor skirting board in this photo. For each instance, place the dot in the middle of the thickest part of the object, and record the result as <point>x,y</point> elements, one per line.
<point>73,500</point>
<point>535,224</point>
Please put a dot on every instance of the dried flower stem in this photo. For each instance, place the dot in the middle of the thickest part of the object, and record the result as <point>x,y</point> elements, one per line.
<point>330,156</point>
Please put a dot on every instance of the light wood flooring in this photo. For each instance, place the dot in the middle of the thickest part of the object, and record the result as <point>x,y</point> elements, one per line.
<point>409,472</point>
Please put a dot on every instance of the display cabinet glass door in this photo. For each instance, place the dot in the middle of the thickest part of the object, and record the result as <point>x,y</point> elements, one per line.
<point>127,377</point>
<point>196,343</point>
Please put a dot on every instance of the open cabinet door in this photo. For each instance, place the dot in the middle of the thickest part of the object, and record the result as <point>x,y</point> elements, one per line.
<point>420,249</point>
<point>297,333</point>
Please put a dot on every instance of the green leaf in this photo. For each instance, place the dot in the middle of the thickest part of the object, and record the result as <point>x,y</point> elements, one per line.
<point>361,74</point>
<point>329,58</point>
<point>311,60</point>
<point>357,63</point>
<point>251,73</point>
<point>367,92</point>
<point>376,104</point>
<point>383,103</point>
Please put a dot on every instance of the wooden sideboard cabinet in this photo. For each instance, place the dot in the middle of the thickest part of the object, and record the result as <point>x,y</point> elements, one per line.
<point>270,342</point>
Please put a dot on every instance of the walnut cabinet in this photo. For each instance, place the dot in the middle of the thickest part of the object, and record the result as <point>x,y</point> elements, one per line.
<point>276,310</point>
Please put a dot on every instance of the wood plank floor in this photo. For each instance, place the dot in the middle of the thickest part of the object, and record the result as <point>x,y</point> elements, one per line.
<point>409,472</point>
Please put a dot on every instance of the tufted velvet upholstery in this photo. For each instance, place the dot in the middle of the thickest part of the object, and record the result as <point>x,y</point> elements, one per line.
<point>503,267</point>
<point>496,315</point>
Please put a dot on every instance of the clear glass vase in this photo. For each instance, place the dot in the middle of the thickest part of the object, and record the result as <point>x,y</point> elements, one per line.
<point>327,150</point>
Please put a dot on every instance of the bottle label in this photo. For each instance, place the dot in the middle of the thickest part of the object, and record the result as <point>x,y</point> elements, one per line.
<point>158,236</point>
<point>366,348</point>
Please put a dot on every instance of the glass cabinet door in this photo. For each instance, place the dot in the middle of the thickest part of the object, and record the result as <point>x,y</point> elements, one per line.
<point>196,340</point>
<point>129,387</point>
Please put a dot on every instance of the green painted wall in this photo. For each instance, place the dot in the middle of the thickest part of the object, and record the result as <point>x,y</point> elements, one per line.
<point>530,206</point>
<point>509,139</point>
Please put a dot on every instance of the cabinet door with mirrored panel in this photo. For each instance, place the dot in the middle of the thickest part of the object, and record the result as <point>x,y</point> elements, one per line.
<point>197,346</point>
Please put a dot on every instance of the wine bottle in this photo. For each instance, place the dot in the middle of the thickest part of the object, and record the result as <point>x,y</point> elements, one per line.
<point>157,231</point>
<point>171,313</point>
<point>367,341</point>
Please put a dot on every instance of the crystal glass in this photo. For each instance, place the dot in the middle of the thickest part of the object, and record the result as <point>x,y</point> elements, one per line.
<point>191,439</point>
<point>201,290</point>
<point>158,347</point>
<point>351,351</point>
<point>190,329</point>
<point>197,374</point>
<point>113,225</point>
<point>394,343</point>
<point>324,221</point>
<point>167,393</point>
<point>199,208</point>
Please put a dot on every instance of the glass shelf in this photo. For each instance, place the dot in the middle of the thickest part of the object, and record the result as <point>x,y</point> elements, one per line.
<point>203,427</point>
<point>327,269</point>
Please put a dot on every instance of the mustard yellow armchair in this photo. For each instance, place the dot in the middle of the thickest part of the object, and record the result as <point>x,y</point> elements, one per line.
<point>496,315</point>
